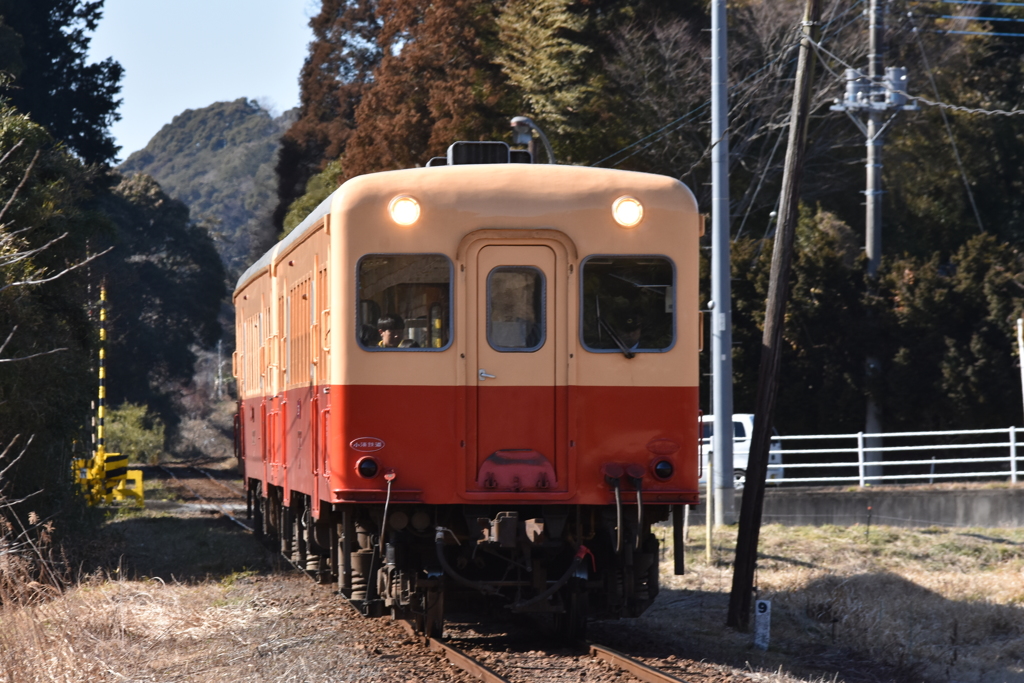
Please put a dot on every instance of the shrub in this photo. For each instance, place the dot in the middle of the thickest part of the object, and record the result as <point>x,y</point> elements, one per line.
<point>133,431</point>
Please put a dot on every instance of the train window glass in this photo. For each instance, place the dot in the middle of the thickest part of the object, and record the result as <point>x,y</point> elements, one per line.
<point>515,309</point>
<point>404,302</point>
<point>738,429</point>
<point>628,304</point>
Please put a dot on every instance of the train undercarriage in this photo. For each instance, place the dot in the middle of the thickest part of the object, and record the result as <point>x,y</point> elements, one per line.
<point>569,562</point>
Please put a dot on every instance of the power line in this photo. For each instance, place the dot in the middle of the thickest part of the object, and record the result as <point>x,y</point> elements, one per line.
<point>964,18</point>
<point>972,2</point>
<point>978,33</point>
<point>949,128</point>
<point>682,119</point>
<point>931,103</point>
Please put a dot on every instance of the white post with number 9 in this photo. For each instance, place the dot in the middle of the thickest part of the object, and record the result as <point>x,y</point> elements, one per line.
<point>762,623</point>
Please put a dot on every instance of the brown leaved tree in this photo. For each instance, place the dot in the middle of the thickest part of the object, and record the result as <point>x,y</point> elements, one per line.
<point>435,84</point>
<point>336,75</point>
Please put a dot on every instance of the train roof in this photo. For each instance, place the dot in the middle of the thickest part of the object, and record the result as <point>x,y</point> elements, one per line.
<point>479,171</point>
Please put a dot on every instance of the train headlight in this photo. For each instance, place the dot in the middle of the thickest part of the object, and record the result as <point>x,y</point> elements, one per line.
<point>663,469</point>
<point>367,467</point>
<point>404,210</point>
<point>627,211</point>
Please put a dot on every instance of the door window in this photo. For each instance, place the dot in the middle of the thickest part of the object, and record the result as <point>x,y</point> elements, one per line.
<point>515,309</point>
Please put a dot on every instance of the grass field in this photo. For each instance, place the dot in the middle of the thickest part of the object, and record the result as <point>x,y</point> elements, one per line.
<point>848,604</point>
<point>885,603</point>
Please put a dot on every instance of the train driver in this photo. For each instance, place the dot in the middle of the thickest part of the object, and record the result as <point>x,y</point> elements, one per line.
<point>390,326</point>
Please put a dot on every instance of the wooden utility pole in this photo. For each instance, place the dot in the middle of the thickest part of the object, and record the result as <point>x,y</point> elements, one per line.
<point>771,342</point>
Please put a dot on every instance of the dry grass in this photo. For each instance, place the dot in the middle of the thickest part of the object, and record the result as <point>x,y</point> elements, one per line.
<point>149,631</point>
<point>887,604</point>
<point>848,604</point>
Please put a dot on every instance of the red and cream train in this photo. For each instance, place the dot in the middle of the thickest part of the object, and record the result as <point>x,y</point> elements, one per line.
<point>537,415</point>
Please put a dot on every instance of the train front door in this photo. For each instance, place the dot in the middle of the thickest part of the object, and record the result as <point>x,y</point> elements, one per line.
<point>514,335</point>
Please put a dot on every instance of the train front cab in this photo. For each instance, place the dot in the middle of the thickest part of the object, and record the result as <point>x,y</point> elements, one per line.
<point>513,442</point>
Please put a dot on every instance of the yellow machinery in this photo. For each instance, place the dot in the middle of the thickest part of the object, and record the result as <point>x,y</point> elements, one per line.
<point>105,477</point>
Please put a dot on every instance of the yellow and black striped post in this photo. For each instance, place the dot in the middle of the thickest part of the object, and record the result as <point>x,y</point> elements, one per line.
<point>101,405</point>
<point>105,476</point>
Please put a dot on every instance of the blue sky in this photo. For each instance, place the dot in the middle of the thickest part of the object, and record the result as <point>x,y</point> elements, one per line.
<point>187,54</point>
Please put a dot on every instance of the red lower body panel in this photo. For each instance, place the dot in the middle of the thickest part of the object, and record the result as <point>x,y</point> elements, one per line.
<point>312,442</point>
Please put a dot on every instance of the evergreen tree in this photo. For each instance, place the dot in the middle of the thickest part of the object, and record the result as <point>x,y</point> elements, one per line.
<point>825,332</point>
<point>165,285</point>
<point>46,338</point>
<point>541,58</point>
<point>43,46</point>
<point>949,337</point>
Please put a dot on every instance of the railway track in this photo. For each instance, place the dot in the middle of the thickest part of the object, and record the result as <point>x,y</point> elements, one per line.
<point>203,499</point>
<point>491,661</point>
<point>537,666</point>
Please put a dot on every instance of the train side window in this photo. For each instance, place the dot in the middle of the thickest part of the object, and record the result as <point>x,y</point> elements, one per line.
<point>404,302</point>
<point>627,303</point>
<point>515,309</point>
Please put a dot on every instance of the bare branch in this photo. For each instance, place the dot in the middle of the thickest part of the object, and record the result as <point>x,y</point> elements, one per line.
<point>24,179</point>
<point>7,341</point>
<point>24,449</point>
<point>34,355</point>
<point>22,255</point>
<point>60,274</point>
<point>15,146</point>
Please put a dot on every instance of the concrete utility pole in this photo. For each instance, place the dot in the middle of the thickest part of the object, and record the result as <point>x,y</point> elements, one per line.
<point>771,340</point>
<point>721,289</point>
<point>880,97</point>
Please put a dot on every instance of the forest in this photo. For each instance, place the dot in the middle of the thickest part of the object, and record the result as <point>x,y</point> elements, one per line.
<point>614,83</point>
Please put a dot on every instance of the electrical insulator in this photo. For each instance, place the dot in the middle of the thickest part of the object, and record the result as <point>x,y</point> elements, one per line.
<point>856,87</point>
<point>896,85</point>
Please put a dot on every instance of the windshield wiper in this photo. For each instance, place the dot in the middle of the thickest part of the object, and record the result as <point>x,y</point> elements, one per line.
<point>602,325</point>
<point>615,338</point>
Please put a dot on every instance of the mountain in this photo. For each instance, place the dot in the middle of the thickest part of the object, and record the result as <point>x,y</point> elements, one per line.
<point>219,160</point>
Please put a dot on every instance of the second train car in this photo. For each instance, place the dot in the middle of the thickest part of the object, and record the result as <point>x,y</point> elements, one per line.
<point>476,377</point>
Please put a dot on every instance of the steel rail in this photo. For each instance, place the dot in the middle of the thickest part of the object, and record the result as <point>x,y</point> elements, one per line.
<point>205,501</point>
<point>218,482</point>
<point>632,666</point>
<point>456,657</point>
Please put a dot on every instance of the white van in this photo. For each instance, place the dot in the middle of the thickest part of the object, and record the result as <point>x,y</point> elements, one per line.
<point>743,430</point>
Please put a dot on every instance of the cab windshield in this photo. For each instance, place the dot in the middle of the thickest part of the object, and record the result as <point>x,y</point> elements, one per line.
<point>628,304</point>
<point>404,302</point>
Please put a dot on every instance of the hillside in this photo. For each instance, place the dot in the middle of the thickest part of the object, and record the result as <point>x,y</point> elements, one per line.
<point>220,161</point>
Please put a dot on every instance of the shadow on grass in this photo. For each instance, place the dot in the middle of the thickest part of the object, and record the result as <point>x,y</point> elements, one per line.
<point>691,624</point>
<point>869,628</point>
<point>186,549</point>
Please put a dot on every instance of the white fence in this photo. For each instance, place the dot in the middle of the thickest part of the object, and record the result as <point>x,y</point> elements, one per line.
<point>989,459</point>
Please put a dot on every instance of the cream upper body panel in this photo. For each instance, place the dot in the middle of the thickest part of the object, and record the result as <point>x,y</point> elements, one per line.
<point>569,206</point>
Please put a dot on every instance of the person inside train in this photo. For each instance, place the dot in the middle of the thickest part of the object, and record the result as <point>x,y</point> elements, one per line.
<point>390,326</point>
